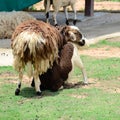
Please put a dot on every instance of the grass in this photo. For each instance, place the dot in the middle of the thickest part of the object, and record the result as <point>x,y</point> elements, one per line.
<point>92,103</point>
<point>103,43</point>
<point>105,69</point>
<point>6,69</point>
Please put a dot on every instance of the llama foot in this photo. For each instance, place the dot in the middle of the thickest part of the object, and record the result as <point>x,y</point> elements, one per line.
<point>33,83</point>
<point>56,25</point>
<point>85,83</point>
<point>17,91</point>
<point>39,93</point>
<point>67,22</point>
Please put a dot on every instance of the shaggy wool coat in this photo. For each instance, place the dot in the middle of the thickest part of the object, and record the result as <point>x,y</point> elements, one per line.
<point>55,77</point>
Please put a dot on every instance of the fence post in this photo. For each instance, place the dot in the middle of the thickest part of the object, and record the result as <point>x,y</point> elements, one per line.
<point>89,7</point>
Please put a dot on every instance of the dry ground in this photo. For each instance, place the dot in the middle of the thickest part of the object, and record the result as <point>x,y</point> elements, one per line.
<point>104,52</point>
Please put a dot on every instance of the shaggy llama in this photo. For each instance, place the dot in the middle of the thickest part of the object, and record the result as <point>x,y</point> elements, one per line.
<point>36,44</point>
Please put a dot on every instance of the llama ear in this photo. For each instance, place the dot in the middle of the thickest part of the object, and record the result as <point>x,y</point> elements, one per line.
<point>71,36</point>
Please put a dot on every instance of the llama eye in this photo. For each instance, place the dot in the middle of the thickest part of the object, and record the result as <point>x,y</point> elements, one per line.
<point>67,34</point>
<point>75,33</point>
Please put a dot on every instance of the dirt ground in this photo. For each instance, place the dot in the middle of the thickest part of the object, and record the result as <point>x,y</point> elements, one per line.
<point>104,52</point>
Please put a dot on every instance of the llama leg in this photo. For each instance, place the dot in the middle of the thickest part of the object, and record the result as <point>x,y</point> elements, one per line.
<point>75,14</point>
<point>33,83</point>
<point>66,15</point>
<point>47,9</point>
<point>47,17</point>
<point>54,17</point>
<point>67,84</point>
<point>85,76</point>
<point>78,62</point>
<point>17,91</point>
<point>81,66</point>
<point>37,82</point>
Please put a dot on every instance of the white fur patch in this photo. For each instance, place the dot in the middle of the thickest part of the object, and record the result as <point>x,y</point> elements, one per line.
<point>74,27</point>
<point>30,38</point>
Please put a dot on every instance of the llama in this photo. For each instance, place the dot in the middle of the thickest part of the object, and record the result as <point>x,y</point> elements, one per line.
<point>57,76</point>
<point>57,4</point>
<point>10,20</point>
<point>36,44</point>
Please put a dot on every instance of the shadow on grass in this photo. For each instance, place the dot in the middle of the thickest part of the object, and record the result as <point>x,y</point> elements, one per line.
<point>29,92</point>
<point>76,85</point>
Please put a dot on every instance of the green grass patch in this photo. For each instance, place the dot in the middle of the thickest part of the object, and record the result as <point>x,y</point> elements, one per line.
<point>103,43</point>
<point>6,69</point>
<point>96,104</point>
<point>103,69</point>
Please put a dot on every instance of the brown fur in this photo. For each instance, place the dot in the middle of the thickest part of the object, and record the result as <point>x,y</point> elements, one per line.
<point>65,60</point>
<point>36,44</point>
<point>54,78</point>
<point>45,49</point>
<point>65,31</point>
<point>38,27</point>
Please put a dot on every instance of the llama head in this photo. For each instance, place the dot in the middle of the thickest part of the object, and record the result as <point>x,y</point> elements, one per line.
<point>73,34</point>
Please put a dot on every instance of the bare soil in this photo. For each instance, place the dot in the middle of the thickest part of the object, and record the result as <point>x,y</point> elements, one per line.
<point>104,52</point>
